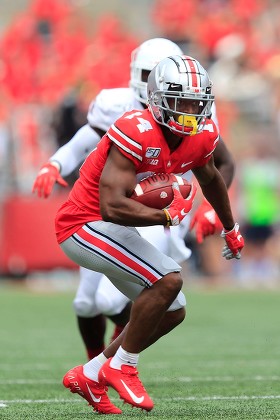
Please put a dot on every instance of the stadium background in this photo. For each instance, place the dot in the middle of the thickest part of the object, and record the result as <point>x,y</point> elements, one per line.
<point>56,55</point>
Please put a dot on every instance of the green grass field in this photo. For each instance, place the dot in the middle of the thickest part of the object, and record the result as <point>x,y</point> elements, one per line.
<point>223,362</point>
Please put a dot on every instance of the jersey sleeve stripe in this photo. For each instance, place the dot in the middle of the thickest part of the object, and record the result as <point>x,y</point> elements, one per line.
<point>125,142</point>
<point>126,138</point>
<point>215,144</point>
<point>209,154</point>
<point>126,149</point>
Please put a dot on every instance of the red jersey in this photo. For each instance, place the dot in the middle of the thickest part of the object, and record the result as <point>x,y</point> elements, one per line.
<point>138,137</point>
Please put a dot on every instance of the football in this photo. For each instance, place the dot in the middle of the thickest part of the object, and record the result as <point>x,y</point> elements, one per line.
<point>156,190</point>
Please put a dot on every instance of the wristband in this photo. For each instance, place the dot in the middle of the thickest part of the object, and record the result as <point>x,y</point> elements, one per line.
<point>168,218</point>
<point>56,164</point>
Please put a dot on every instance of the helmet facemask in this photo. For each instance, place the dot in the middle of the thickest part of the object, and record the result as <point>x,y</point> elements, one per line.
<point>185,123</point>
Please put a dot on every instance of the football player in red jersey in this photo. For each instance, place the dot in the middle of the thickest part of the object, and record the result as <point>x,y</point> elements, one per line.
<point>96,296</point>
<point>95,226</point>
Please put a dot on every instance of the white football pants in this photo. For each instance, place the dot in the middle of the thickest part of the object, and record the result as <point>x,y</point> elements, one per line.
<point>97,295</point>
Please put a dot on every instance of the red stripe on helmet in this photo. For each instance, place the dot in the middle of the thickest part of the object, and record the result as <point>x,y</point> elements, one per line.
<point>192,71</point>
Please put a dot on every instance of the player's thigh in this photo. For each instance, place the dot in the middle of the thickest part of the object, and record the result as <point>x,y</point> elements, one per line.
<point>118,252</point>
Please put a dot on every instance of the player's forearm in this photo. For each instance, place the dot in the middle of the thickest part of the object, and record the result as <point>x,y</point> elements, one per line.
<point>72,154</point>
<point>216,193</point>
<point>128,212</point>
<point>65,160</point>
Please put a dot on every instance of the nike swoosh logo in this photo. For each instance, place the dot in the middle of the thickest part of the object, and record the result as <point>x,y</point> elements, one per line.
<point>94,399</point>
<point>183,213</point>
<point>185,164</point>
<point>239,238</point>
<point>136,399</point>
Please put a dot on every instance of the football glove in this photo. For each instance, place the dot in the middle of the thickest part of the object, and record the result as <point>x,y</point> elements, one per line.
<point>234,243</point>
<point>46,178</point>
<point>180,206</point>
<point>205,221</point>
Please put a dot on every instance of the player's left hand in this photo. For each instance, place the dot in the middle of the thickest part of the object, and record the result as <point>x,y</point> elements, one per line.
<point>205,221</point>
<point>234,243</point>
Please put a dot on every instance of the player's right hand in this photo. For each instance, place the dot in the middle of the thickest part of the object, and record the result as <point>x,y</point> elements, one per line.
<point>180,206</point>
<point>46,178</point>
<point>234,243</point>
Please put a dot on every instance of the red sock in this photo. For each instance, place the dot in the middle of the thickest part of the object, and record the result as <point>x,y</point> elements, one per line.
<point>118,329</point>
<point>91,353</point>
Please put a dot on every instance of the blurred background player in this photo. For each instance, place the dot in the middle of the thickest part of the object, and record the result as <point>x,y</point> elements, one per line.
<point>96,296</point>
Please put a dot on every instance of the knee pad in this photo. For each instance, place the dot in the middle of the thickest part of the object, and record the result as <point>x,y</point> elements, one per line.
<point>178,303</point>
<point>108,299</point>
<point>84,308</point>
<point>104,303</point>
<point>110,304</point>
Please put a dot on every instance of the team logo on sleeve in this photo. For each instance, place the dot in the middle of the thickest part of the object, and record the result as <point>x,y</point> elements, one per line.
<point>152,152</point>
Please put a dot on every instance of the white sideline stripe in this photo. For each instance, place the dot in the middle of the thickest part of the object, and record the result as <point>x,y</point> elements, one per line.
<point>161,379</point>
<point>7,367</point>
<point>227,378</point>
<point>217,363</point>
<point>206,398</point>
<point>28,382</point>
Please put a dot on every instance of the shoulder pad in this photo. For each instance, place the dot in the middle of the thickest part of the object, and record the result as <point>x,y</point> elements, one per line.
<point>109,105</point>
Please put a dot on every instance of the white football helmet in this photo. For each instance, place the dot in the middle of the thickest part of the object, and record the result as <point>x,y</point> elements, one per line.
<point>175,82</point>
<point>143,60</point>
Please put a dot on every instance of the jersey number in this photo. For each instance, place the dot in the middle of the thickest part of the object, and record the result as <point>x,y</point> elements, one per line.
<point>208,127</point>
<point>144,125</point>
